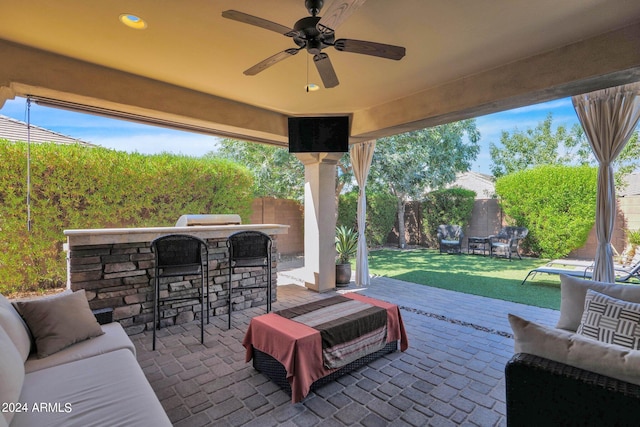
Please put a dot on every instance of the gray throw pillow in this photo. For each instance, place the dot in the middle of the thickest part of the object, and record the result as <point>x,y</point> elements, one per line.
<point>57,323</point>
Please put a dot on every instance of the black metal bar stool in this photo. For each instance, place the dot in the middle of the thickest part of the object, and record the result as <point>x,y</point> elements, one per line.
<point>180,255</point>
<point>249,249</point>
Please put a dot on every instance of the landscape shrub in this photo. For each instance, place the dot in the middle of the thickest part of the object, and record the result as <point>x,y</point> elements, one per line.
<point>446,206</point>
<point>556,203</point>
<point>381,215</point>
<point>348,210</point>
<point>75,187</point>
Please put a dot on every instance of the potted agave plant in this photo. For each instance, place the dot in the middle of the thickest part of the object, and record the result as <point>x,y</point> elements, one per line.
<point>346,248</point>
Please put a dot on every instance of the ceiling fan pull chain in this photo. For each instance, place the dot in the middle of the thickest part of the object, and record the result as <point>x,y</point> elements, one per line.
<point>307,87</point>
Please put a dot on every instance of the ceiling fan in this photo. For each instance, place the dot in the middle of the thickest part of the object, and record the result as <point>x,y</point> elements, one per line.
<point>314,33</point>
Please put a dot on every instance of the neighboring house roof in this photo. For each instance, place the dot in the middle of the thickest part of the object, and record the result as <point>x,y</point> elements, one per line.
<point>15,130</point>
<point>633,185</point>
<point>481,183</point>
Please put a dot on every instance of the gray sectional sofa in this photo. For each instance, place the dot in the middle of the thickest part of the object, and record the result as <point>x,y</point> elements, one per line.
<point>60,367</point>
<point>586,370</point>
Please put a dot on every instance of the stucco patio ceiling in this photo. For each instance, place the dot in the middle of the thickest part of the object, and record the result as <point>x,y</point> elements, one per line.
<point>463,58</point>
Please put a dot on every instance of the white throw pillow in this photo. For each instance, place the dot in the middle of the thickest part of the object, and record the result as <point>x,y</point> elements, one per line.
<point>611,320</point>
<point>575,350</point>
<point>11,374</point>
<point>15,327</point>
<point>573,291</point>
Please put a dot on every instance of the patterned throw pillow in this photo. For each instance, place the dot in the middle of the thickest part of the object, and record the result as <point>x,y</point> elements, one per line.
<point>611,320</point>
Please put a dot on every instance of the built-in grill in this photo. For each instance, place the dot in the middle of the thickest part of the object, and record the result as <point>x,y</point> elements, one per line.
<point>191,220</point>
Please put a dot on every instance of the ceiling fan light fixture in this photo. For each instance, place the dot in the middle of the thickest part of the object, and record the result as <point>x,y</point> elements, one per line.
<point>133,21</point>
<point>311,87</point>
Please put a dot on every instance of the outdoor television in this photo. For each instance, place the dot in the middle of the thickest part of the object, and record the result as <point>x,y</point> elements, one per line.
<point>319,134</point>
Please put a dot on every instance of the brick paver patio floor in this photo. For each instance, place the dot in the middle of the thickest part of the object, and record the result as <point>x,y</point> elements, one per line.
<point>452,374</point>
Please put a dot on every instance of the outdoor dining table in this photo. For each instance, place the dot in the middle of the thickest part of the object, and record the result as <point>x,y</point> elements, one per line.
<point>476,243</point>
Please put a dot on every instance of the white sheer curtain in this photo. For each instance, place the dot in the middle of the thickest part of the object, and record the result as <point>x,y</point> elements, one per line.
<point>361,156</point>
<point>609,117</point>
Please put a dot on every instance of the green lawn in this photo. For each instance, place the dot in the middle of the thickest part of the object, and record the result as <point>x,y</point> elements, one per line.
<point>496,278</point>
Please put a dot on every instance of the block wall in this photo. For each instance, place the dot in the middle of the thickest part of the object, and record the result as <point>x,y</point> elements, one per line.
<point>268,210</point>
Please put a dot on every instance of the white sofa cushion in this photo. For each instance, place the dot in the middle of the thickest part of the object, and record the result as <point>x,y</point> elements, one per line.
<point>15,327</point>
<point>56,323</point>
<point>576,350</point>
<point>11,374</point>
<point>108,389</point>
<point>114,338</point>
<point>573,291</point>
<point>611,320</point>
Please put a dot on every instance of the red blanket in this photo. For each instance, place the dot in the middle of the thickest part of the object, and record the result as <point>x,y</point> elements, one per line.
<point>299,348</point>
<point>350,329</point>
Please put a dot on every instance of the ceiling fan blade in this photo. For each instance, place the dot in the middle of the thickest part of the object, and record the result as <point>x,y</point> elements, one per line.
<point>326,71</point>
<point>258,22</point>
<point>274,59</point>
<point>370,48</point>
<point>337,13</point>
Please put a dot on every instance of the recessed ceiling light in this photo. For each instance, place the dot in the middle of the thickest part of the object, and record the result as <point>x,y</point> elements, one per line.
<point>133,21</point>
<point>312,87</point>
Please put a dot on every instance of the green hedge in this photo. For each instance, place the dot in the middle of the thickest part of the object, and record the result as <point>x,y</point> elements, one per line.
<point>381,215</point>
<point>556,203</point>
<point>447,206</point>
<point>74,187</point>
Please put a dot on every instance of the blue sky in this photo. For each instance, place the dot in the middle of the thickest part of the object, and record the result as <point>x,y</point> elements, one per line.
<point>127,136</point>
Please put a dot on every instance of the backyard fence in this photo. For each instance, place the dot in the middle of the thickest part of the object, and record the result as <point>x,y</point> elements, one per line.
<point>487,218</point>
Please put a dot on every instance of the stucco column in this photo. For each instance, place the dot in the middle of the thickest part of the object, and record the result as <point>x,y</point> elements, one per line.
<point>320,220</point>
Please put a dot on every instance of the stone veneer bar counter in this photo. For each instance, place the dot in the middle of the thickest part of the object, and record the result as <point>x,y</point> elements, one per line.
<point>115,267</point>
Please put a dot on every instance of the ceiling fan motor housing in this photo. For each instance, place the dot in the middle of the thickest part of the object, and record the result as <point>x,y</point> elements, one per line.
<point>314,6</point>
<point>310,37</point>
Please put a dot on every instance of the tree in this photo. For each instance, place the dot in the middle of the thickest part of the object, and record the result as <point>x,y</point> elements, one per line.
<point>345,177</point>
<point>542,146</point>
<point>410,163</point>
<point>276,172</point>
<point>628,160</point>
<point>537,146</point>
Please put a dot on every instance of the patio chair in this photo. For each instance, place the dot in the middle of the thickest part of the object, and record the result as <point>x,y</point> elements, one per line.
<point>507,242</point>
<point>584,269</point>
<point>450,239</point>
